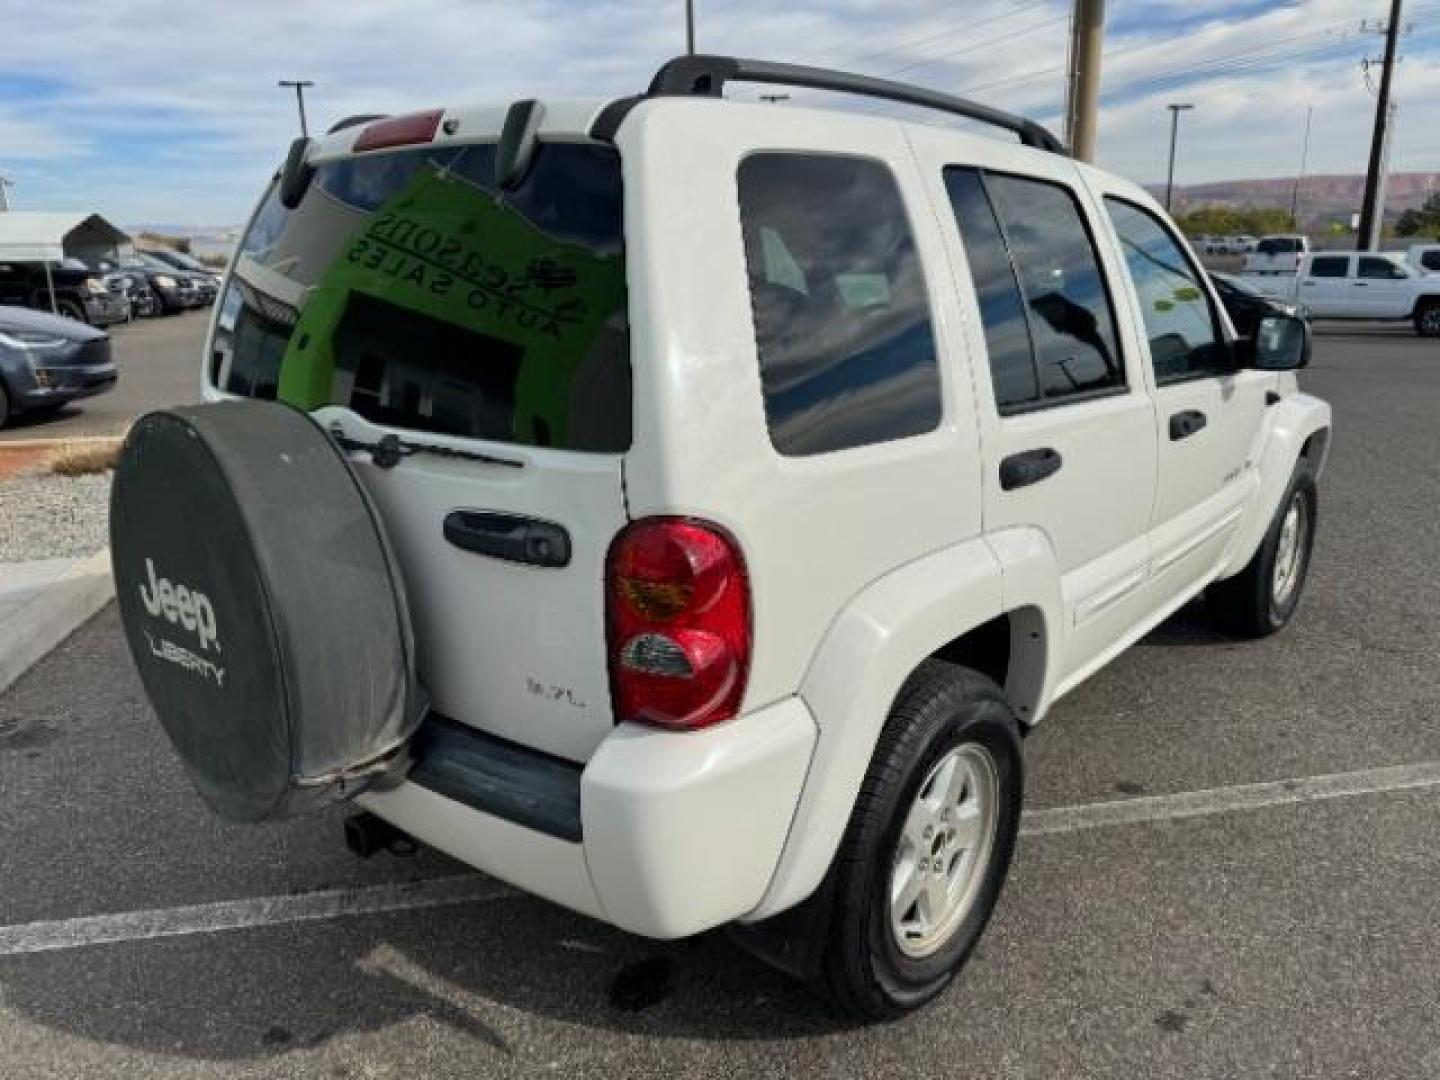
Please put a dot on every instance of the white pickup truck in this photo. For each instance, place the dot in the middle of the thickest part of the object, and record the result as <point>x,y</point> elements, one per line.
<point>1276,254</point>
<point>1343,285</point>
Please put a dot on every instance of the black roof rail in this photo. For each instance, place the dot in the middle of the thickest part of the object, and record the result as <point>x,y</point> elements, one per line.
<point>688,76</point>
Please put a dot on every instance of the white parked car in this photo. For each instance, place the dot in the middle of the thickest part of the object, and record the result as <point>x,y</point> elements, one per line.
<point>1276,254</point>
<point>1364,285</point>
<point>680,508</point>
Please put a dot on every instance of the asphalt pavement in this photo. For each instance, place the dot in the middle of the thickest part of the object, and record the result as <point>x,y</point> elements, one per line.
<point>159,364</point>
<point>1295,939</point>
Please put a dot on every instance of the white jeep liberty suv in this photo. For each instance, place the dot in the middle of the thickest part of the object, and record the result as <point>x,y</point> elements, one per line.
<point>680,508</point>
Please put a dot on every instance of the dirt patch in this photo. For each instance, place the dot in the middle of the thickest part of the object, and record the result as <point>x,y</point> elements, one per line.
<point>17,459</point>
<point>67,457</point>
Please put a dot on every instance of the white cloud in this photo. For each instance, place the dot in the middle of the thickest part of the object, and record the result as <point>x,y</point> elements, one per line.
<point>193,85</point>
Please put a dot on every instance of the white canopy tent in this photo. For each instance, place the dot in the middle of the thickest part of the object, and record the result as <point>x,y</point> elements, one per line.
<point>41,236</point>
<point>44,237</point>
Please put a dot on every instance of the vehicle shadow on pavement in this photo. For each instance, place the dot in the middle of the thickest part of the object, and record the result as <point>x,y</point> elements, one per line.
<point>487,970</point>
<point>1191,625</point>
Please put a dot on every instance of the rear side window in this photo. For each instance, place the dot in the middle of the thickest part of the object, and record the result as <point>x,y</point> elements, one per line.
<point>1042,295</point>
<point>1430,260</point>
<point>1378,269</point>
<point>1280,245</point>
<point>1329,266</point>
<point>406,288</point>
<point>842,323</point>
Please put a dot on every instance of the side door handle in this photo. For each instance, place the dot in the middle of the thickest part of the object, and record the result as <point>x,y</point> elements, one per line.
<point>1029,467</point>
<point>1187,423</point>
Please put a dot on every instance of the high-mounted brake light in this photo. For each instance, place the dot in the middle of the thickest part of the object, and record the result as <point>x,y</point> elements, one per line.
<point>404,130</point>
<point>679,621</point>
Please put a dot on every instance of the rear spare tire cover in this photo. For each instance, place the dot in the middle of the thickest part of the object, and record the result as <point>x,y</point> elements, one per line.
<point>263,606</point>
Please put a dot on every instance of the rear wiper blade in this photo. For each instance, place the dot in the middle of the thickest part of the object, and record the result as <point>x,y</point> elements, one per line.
<point>389,450</point>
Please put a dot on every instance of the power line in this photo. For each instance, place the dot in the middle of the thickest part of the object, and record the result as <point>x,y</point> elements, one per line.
<point>974,47</point>
<point>965,24</point>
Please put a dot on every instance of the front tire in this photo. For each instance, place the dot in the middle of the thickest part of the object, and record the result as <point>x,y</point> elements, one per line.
<point>928,845</point>
<point>70,310</point>
<point>1427,319</point>
<point>1263,597</point>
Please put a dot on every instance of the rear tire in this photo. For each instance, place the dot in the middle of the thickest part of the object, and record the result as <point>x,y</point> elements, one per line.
<point>1261,599</point>
<point>1427,318</point>
<point>926,852</point>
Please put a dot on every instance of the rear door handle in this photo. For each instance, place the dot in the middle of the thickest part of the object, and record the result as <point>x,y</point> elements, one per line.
<point>511,537</point>
<point>1187,423</point>
<point>1029,467</point>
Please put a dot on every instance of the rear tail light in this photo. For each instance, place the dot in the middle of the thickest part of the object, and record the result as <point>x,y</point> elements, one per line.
<point>404,130</point>
<point>679,620</point>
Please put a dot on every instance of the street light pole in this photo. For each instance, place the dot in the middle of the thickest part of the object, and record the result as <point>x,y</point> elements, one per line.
<point>690,27</point>
<point>1175,111</point>
<point>1300,176</point>
<point>299,85</point>
<point>5,182</point>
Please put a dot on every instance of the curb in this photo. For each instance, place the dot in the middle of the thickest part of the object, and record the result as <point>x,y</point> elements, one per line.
<point>58,440</point>
<point>55,613</point>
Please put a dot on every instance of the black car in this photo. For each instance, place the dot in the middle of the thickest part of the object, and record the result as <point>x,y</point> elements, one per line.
<point>47,361</point>
<point>74,290</point>
<point>207,282</point>
<point>176,290</point>
<point>1247,305</point>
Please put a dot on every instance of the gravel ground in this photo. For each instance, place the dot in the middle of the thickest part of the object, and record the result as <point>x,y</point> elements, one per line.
<point>52,517</point>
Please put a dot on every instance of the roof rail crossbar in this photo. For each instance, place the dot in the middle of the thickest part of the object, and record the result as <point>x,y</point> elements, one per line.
<point>707,75</point>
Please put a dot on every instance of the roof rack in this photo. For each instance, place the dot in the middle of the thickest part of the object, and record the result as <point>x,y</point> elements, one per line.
<point>688,76</point>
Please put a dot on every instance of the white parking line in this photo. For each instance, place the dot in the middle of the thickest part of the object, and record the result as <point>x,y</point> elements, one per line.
<point>40,937</point>
<point>1187,804</point>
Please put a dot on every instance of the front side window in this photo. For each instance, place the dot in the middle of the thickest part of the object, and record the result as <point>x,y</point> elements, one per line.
<point>1330,266</point>
<point>837,294</point>
<point>1378,269</point>
<point>1180,322</point>
<point>407,288</point>
<point>1035,269</point>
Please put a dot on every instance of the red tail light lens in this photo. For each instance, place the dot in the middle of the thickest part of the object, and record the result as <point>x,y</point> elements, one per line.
<point>404,130</point>
<point>679,605</point>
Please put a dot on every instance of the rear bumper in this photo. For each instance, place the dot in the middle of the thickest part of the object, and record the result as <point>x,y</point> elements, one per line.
<point>678,832</point>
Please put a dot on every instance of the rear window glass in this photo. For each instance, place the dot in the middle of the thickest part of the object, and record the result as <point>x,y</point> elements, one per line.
<point>842,323</point>
<point>406,288</point>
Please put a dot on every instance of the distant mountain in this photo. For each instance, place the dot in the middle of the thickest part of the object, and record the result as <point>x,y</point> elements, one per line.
<point>1320,196</point>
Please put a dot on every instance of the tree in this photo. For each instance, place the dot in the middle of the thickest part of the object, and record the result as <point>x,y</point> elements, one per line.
<point>1424,222</point>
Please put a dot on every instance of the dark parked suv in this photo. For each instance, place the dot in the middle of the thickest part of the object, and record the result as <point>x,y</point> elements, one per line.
<point>47,361</point>
<point>79,292</point>
<point>207,281</point>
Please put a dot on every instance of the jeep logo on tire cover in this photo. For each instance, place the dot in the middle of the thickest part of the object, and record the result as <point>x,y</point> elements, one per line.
<point>188,608</point>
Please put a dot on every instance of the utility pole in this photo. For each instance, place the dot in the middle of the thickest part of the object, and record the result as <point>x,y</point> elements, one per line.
<point>299,85</point>
<point>690,27</point>
<point>1087,42</point>
<point>1175,111</point>
<point>5,182</point>
<point>1372,210</point>
<point>1300,176</point>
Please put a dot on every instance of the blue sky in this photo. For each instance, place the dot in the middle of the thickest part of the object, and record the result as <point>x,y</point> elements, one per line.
<point>157,112</point>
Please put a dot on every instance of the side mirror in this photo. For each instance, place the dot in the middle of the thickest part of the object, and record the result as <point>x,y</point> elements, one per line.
<point>1281,343</point>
